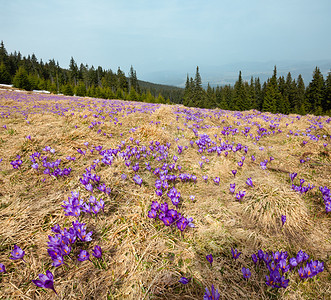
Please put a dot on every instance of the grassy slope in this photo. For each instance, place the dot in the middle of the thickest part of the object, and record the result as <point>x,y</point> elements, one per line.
<point>144,259</point>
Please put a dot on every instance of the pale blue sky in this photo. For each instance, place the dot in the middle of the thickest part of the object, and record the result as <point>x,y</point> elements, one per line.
<point>167,35</point>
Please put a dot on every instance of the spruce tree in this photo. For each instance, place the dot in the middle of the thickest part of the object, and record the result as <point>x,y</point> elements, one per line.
<point>327,95</point>
<point>210,98</point>
<point>80,89</point>
<point>121,80</point>
<point>269,100</point>
<point>300,105</point>
<point>315,91</point>
<point>198,92</point>
<point>133,81</point>
<point>252,95</point>
<point>133,96</point>
<point>187,92</point>
<point>21,79</point>
<point>73,71</point>
<point>3,54</point>
<point>240,98</point>
<point>4,74</point>
<point>258,93</point>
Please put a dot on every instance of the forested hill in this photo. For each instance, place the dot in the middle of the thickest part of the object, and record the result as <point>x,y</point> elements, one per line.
<point>175,94</point>
<point>82,80</point>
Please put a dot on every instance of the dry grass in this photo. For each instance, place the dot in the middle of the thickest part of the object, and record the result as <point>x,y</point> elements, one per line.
<point>144,259</point>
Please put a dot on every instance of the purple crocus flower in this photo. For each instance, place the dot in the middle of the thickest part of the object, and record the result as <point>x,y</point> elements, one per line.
<point>213,295</point>
<point>232,187</point>
<point>246,272</point>
<point>2,268</point>
<point>254,258</point>
<point>249,182</point>
<point>17,253</point>
<point>217,180</point>
<point>235,253</point>
<point>182,224</point>
<point>283,266</point>
<point>234,172</point>
<point>137,179</point>
<point>209,257</point>
<point>240,195</point>
<point>152,213</point>
<point>97,252</point>
<point>283,218</point>
<point>167,220</point>
<point>45,281</point>
<point>293,262</point>
<point>83,255</point>
<point>57,261</point>
<point>184,280</point>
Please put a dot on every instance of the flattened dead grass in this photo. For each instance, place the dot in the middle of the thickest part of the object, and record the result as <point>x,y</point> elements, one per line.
<point>142,259</point>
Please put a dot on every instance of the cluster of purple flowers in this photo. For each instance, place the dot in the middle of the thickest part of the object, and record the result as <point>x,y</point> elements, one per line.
<point>74,206</point>
<point>169,216</point>
<point>185,177</point>
<point>302,189</point>
<point>17,162</point>
<point>60,245</point>
<point>89,178</point>
<point>326,197</point>
<point>240,195</point>
<point>174,196</point>
<point>264,163</point>
<point>279,264</point>
<point>52,168</point>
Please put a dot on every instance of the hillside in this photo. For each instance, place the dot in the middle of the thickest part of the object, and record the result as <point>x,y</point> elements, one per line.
<point>227,178</point>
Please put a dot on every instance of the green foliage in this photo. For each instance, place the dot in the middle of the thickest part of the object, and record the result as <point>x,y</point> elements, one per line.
<point>4,74</point>
<point>315,91</point>
<point>21,80</point>
<point>133,81</point>
<point>80,89</point>
<point>68,90</point>
<point>133,96</point>
<point>240,98</point>
<point>326,104</point>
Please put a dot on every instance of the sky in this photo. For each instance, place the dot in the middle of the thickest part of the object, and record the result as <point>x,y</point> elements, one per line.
<point>167,35</point>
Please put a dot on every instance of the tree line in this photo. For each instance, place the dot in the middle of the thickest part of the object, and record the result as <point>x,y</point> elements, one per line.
<point>276,95</point>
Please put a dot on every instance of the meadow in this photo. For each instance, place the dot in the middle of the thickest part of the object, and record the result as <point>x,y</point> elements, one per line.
<point>131,200</point>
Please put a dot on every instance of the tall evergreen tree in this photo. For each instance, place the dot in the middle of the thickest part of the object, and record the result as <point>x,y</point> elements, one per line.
<point>210,98</point>
<point>4,74</point>
<point>121,80</point>
<point>300,105</point>
<point>272,98</point>
<point>21,79</point>
<point>3,54</point>
<point>73,71</point>
<point>133,81</point>
<point>327,94</point>
<point>269,99</point>
<point>198,97</point>
<point>315,91</point>
<point>240,97</point>
<point>188,91</point>
<point>258,93</point>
